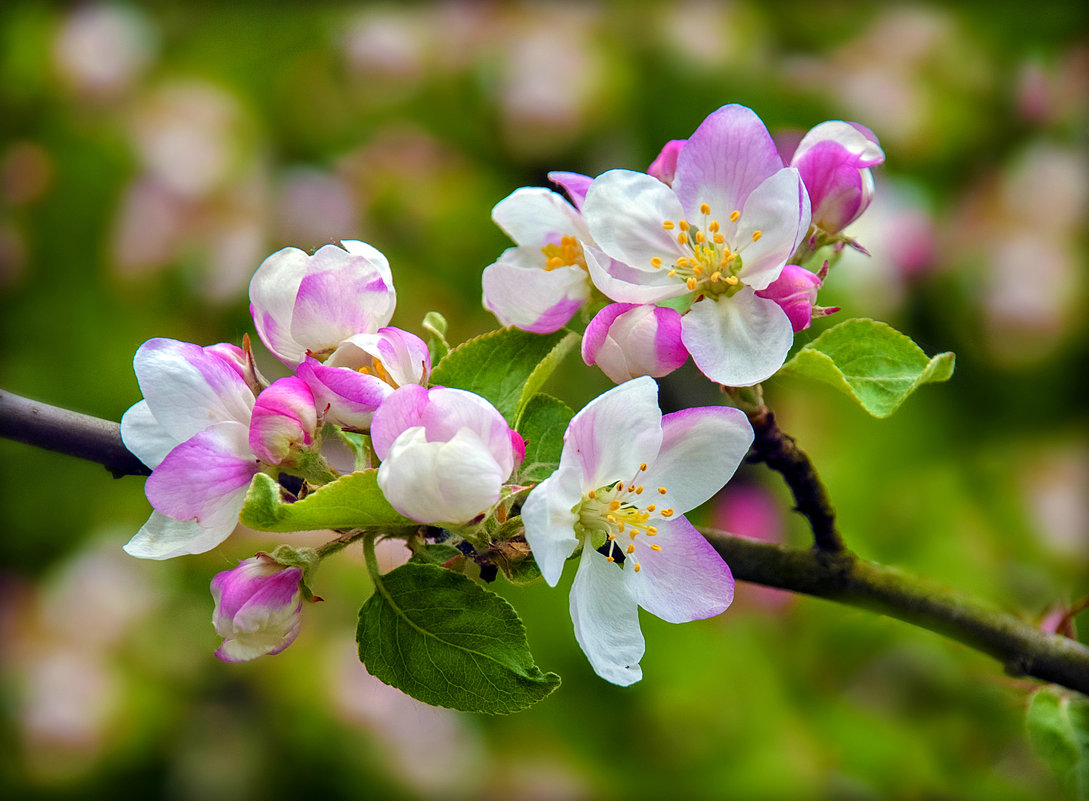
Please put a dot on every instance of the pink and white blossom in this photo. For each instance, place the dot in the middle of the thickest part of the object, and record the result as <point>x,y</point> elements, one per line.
<point>445,453</point>
<point>722,232</point>
<point>627,475</point>
<point>795,290</point>
<point>310,304</point>
<point>834,160</point>
<point>258,608</point>
<point>192,429</point>
<point>284,419</point>
<point>627,340</point>
<point>363,371</point>
<point>538,285</point>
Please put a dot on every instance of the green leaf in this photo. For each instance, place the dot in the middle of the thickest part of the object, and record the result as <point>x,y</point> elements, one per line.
<point>542,426</point>
<point>507,366</point>
<point>1058,728</point>
<point>352,501</point>
<point>871,362</point>
<point>447,641</point>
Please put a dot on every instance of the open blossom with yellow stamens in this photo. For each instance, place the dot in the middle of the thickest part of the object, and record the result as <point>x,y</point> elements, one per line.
<point>723,231</point>
<point>538,285</point>
<point>363,371</point>
<point>627,475</point>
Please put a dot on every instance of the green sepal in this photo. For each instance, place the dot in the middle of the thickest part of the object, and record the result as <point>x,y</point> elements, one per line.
<point>507,367</point>
<point>871,362</point>
<point>307,559</point>
<point>352,501</point>
<point>445,640</point>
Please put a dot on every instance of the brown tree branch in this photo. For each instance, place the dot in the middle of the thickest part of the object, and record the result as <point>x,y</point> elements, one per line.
<point>72,433</point>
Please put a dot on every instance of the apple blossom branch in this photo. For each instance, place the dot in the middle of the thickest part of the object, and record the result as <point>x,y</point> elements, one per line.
<point>829,570</point>
<point>779,452</point>
<point>68,432</point>
<point>1023,649</point>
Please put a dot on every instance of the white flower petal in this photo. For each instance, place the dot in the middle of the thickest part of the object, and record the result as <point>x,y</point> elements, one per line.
<point>614,433</point>
<point>624,211</point>
<point>549,517</point>
<point>163,537</point>
<point>145,436</point>
<point>606,619</point>
<point>532,216</point>
<point>522,294</point>
<point>686,580</point>
<point>701,449</point>
<point>779,210</point>
<point>738,341</point>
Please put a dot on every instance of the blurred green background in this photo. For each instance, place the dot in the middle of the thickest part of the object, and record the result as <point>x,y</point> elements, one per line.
<point>152,155</point>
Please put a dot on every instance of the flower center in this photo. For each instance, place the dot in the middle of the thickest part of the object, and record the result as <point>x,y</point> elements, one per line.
<point>711,264</point>
<point>379,371</point>
<point>567,253</point>
<point>616,516</point>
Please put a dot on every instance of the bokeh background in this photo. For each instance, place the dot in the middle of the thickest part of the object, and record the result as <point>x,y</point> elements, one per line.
<point>151,155</point>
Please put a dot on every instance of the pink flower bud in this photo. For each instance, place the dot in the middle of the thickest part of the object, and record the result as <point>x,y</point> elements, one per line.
<point>258,608</point>
<point>665,166</point>
<point>283,418</point>
<point>834,160</point>
<point>795,290</point>
<point>627,340</point>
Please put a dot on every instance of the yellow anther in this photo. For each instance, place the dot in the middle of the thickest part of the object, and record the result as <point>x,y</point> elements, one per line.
<point>697,270</point>
<point>614,505</point>
<point>656,262</point>
<point>713,226</point>
<point>639,490</point>
<point>704,208</point>
<point>655,547</point>
<point>553,263</point>
<point>662,490</point>
<point>671,273</point>
<point>620,485</point>
<point>719,239</point>
<point>609,559</point>
<point>756,235</point>
<point>651,508</point>
<point>668,225</point>
<point>643,466</point>
<point>611,519</point>
<point>651,531</point>
<point>700,237</point>
<point>716,276</point>
<point>733,280</point>
<point>634,534</point>
<point>667,513</point>
<point>637,568</point>
<point>691,283</point>
<point>592,494</point>
<point>682,261</point>
<point>612,536</point>
<point>735,215</point>
<point>682,238</point>
<point>631,548</point>
<point>683,225</point>
<point>620,527</point>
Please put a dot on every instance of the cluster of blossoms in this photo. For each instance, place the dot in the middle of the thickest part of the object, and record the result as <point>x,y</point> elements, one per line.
<point>697,257</point>
<point>693,258</point>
